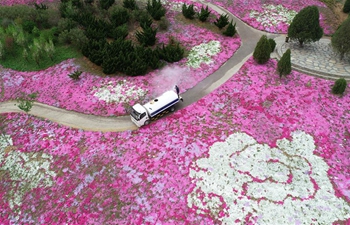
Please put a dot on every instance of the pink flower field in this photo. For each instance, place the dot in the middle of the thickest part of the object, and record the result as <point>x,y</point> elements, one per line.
<point>257,150</point>
<point>146,176</point>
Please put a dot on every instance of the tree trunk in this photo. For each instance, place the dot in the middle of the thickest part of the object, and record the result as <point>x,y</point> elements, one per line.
<point>301,43</point>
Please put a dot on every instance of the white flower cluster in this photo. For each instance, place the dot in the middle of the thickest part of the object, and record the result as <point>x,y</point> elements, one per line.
<point>203,53</point>
<point>273,15</point>
<point>283,185</point>
<point>26,170</point>
<point>118,92</point>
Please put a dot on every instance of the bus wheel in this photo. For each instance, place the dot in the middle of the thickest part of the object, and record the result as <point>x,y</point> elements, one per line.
<point>172,109</point>
<point>146,122</point>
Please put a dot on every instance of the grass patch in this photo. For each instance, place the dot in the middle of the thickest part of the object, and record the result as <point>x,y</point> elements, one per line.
<point>15,61</point>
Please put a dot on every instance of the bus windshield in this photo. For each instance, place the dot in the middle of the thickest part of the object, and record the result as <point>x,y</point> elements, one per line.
<point>136,115</point>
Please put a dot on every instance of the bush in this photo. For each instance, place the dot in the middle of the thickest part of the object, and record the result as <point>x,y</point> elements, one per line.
<point>339,86</point>
<point>272,43</point>
<point>75,75</point>
<point>66,24</point>
<point>262,50</point>
<point>119,16</point>
<point>105,4</point>
<point>163,23</point>
<point>130,4</point>
<point>222,21</point>
<point>146,22</point>
<point>173,52</point>
<point>155,9</point>
<point>188,11</point>
<point>75,36</point>
<point>120,32</point>
<point>204,14</point>
<point>305,26</point>
<point>147,37</point>
<point>140,15</point>
<point>341,39</point>
<point>346,8</point>
<point>231,30</point>
<point>28,26</point>
<point>284,66</point>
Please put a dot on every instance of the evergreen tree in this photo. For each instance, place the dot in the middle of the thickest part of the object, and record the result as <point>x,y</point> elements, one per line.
<point>155,9</point>
<point>230,30</point>
<point>262,50</point>
<point>341,38</point>
<point>284,66</point>
<point>305,26</point>
<point>346,8</point>
<point>339,86</point>
<point>222,21</point>
<point>272,44</point>
<point>105,4</point>
<point>188,11</point>
<point>204,14</point>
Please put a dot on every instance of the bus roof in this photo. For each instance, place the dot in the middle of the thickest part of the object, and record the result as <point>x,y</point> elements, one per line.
<point>162,102</point>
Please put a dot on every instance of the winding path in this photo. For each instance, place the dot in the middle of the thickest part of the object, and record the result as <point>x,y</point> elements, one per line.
<point>249,37</point>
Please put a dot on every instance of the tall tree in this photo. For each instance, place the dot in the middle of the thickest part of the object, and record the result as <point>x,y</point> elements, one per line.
<point>346,8</point>
<point>262,50</point>
<point>284,66</point>
<point>305,26</point>
<point>341,38</point>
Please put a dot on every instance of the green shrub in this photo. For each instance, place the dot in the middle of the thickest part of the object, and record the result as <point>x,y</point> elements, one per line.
<point>66,24</point>
<point>120,32</point>
<point>173,52</point>
<point>204,14</point>
<point>130,4</point>
<point>136,67</point>
<point>105,4</point>
<point>230,30</point>
<point>163,23</point>
<point>40,7</point>
<point>284,65</point>
<point>155,9</point>
<point>75,75</point>
<point>28,26</point>
<point>146,23</point>
<point>222,21</point>
<point>140,15</point>
<point>262,50</point>
<point>18,11</point>
<point>188,11</point>
<point>272,43</point>
<point>119,16</point>
<point>6,22</point>
<point>346,8</point>
<point>75,36</point>
<point>147,37</point>
<point>339,86</point>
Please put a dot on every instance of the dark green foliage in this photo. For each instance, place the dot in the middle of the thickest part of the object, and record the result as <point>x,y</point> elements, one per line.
<point>119,32</point>
<point>188,11</point>
<point>346,8</point>
<point>88,1</point>
<point>146,23</point>
<point>84,19</point>
<point>75,36</point>
<point>75,75</point>
<point>163,24</point>
<point>272,43</point>
<point>105,4</point>
<point>204,14</point>
<point>28,26</point>
<point>147,37</point>
<point>66,24</point>
<point>130,4</point>
<point>173,52</point>
<point>262,50</point>
<point>305,26</point>
<point>67,9</point>
<point>40,7</point>
<point>155,9</point>
<point>95,50</point>
<point>119,16</point>
<point>339,86</point>
<point>98,29</point>
<point>152,58</point>
<point>341,38</point>
<point>230,30</point>
<point>141,15</point>
<point>222,21</point>
<point>284,66</point>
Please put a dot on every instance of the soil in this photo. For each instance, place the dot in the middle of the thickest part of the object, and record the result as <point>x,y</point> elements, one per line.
<point>334,16</point>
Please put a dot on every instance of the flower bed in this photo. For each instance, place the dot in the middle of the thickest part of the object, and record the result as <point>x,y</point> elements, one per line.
<point>110,96</point>
<point>23,2</point>
<point>271,16</point>
<point>283,140</point>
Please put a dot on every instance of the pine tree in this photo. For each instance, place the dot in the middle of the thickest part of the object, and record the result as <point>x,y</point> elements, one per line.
<point>230,30</point>
<point>346,8</point>
<point>305,26</point>
<point>284,66</point>
<point>339,86</point>
<point>341,38</point>
<point>262,50</point>
<point>272,43</point>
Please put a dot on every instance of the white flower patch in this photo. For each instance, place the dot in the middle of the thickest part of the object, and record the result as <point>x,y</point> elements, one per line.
<point>273,15</point>
<point>119,92</point>
<point>244,180</point>
<point>203,53</point>
<point>26,170</point>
